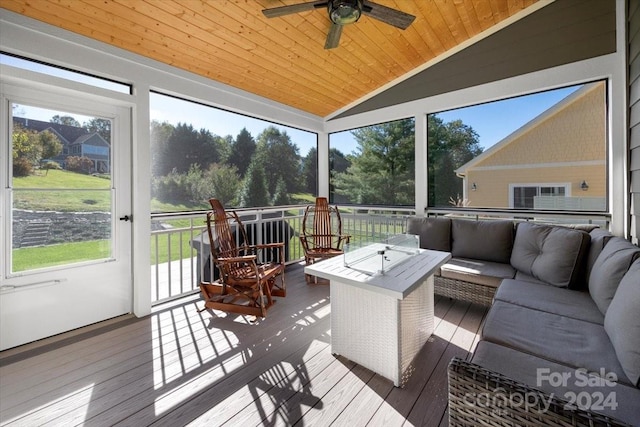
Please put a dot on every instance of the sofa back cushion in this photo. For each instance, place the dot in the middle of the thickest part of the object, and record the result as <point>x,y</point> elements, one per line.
<point>622,323</point>
<point>554,255</point>
<point>435,232</point>
<point>609,268</point>
<point>483,240</point>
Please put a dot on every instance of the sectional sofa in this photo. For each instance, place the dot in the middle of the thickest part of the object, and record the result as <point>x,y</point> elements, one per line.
<point>560,344</point>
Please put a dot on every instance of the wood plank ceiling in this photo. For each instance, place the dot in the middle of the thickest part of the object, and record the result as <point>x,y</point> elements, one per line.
<point>282,59</point>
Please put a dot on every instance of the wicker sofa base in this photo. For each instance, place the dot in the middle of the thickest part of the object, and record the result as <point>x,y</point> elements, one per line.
<point>465,291</point>
<point>480,397</point>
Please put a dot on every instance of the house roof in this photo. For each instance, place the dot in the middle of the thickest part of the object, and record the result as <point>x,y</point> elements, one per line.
<point>375,65</point>
<point>536,121</point>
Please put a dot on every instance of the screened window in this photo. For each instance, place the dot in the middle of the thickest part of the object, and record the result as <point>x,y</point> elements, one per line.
<point>541,151</point>
<point>201,152</point>
<point>374,165</point>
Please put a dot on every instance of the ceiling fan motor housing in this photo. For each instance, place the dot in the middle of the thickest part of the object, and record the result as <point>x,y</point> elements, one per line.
<point>342,12</point>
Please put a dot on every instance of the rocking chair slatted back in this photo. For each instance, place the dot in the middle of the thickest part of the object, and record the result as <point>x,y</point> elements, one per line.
<point>324,227</point>
<point>225,239</point>
<point>321,235</point>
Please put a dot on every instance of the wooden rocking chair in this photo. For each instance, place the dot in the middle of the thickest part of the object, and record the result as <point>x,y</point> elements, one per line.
<point>321,235</point>
<point>245,284</point>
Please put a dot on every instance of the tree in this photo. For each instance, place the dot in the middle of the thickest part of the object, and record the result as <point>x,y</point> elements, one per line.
<point>280,158</point>
<point>224,183</point>
<point>160,153</point>
<point>65,120</point>
<point>310,171</point>
<point>281,196</point>
<point>254,189</point>
<point>186,146</point>
<point>51,145</point>
<point>382,170</point>
<point>100,126</point>
<point>242,151</point>
<point>29,148</point>
<point>450,145</point>
<point>338,163</point>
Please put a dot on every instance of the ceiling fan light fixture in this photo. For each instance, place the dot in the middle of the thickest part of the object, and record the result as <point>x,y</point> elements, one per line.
<point>342,12</point>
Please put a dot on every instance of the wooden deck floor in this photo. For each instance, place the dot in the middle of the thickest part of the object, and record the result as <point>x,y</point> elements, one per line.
<point>180,367</point>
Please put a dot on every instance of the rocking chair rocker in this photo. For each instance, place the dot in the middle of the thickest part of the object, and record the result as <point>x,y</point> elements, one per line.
<point>245,285</point>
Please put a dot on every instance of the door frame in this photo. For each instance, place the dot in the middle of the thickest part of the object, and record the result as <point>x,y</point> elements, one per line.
<point>87,100</point>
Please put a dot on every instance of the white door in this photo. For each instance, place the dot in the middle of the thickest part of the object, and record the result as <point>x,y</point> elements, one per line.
<point>66,229</point>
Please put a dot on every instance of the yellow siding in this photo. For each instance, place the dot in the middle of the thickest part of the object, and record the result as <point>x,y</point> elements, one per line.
<point>574,138</point>
<point>575,133</point>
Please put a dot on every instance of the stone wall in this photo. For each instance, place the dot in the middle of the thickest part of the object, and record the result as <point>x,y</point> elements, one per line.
<point>37,228</point>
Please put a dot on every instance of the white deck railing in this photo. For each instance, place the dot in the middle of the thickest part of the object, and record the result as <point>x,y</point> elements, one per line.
<point>180,251</point>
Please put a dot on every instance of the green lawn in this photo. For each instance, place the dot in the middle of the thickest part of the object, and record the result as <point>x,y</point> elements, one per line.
<point>62,191</point>
<point>65,253</point>
<point>61,179</point>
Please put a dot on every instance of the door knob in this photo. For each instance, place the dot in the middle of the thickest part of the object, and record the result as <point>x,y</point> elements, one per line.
<point>126,218</point>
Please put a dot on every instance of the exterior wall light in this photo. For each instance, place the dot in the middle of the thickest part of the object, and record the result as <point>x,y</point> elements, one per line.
<point>584,186</point>
<point>474,187</point>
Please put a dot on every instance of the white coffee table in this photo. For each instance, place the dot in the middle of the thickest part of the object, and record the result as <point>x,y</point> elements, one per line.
<point>381,321</point>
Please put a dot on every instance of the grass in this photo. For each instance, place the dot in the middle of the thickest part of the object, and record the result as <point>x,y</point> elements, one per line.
<point>57,179</point>
<point>65,253</point>
<point>62,191</point>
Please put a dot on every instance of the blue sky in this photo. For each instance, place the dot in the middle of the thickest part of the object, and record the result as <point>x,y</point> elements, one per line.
<point>496,120</point>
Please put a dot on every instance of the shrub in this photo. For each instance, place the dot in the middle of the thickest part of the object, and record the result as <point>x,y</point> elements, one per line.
<point>171,188</point>
<point>79,164</point>
<point>22,167</point>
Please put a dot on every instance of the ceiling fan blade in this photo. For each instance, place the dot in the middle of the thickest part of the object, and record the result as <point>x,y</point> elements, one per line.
<point>333,38</point>
<point>274,12</point>
<point>387,15</point>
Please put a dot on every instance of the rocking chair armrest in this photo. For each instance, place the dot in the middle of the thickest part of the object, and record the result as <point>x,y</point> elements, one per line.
<point>313,235</point>
<point>236,259</point>
<point>269,245</point>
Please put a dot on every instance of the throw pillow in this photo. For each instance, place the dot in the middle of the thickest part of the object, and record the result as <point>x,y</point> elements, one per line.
<point>622,323</point>
<point>434,232</point>
<point>554,255</point>
<point>608,270</point>
<point>599,238</point>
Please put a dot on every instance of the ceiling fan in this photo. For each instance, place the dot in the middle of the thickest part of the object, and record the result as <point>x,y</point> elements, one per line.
<point>343,12</point>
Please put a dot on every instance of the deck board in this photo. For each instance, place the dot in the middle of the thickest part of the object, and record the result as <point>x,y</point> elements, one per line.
<point>181,367</point>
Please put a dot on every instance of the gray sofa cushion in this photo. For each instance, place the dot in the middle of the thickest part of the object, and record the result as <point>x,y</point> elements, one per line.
<point>574,304</point>
<point>483,240</point>
<point>435,233</point>
<point>534,371</point>
<point>477,271</point>
<point>555,255</point>
<point>608,270</point>
<point>561,339</point>
<point>599,239</point>
<point>622,323</point>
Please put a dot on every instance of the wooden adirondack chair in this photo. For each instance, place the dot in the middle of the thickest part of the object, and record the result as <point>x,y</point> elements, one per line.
<point>321,235</point>
<point>246,285</point>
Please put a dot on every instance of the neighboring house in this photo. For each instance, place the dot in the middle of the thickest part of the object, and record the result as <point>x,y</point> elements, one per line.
<point>555,161</point>
<point>76,141</point>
